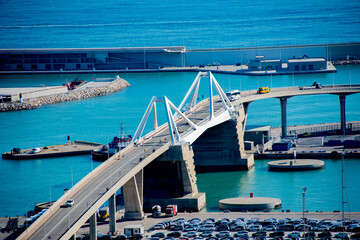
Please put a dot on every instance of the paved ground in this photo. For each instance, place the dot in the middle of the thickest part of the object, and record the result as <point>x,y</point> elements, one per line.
<point>149,221</point>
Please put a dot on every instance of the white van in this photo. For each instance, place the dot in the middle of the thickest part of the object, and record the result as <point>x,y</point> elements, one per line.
<point>233,95</point>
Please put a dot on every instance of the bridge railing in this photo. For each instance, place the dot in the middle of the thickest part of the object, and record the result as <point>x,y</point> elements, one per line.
<point>61,201</point>
<point>353,126</point>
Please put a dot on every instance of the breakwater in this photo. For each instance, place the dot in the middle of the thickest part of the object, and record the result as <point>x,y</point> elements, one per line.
<point>36,102</point>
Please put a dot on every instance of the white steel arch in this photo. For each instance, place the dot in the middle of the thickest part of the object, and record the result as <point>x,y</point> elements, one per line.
<point>172,118</point>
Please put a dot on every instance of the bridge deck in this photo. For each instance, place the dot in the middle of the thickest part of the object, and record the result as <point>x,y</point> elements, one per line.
<point>115,170</point>
<point>91,192</point>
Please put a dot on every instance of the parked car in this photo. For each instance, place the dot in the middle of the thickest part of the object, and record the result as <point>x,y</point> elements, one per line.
<point>277,233</point>
<point>320,228</point>
<point>324,234</point>
<point>237,227</point>
<point>190,234</point>
<point>254,228</point>
<point>294,235</point>
<point>301,227</point>
<point>190,228</point>
<point>241,235</point>
<point>222,228</point>
<point>350,227</point>
<point>223,234</point>
<point>286,227</point>
<point>175,234</point>
<point>259,233</point>
<point>206,234</point>
<point>269,228</point>
<point>309,234</point>
<point>158,235</point>
<point>177,228</point>
<point>204,229</point>
<point>342,235</point>
<point>355,236</point>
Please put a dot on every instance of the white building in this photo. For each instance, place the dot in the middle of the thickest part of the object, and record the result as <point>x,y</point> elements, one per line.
<point>261,64</point>
<point>306,64</point>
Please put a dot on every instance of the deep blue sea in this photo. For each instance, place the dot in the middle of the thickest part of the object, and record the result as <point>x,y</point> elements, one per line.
<point>194,24</point>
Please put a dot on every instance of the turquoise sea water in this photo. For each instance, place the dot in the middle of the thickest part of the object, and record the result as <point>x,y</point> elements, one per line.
<point>26,182</point>
<point>194,24</point>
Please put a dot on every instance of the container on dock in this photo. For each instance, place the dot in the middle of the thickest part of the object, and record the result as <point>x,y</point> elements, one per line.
<point>284,146</point>
<point>351,144</point>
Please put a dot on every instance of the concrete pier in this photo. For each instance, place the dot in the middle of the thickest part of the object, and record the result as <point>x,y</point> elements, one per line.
<point>342,114</point>
<point>61,150</point>
<point>221,148</point>
<point>93,228</point>
<point>296,165</point>
<point>249,203</point>
<point>283,103</point>
<point>112,214</point>
<point>133,197</point>
<point>171,179</point>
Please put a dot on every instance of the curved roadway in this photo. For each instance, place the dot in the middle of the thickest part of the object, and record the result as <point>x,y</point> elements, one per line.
<point>94,190</point>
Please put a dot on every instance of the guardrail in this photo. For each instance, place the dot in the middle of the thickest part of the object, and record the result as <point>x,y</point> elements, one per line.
<point>352,126</point>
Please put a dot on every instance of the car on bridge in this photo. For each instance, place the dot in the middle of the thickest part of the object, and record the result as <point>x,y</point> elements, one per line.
<point>233,95</point>
<point>263,90</point>
<point>69,203</point>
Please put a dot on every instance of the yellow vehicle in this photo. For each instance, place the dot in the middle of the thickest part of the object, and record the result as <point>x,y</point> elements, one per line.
<point>103,214</point>
<point>263,90</point>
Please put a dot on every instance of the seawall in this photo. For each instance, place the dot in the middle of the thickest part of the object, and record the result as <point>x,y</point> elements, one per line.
<point>36,102</point>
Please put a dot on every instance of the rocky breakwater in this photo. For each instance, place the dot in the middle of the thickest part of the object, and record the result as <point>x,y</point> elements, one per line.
<point>72,95</point>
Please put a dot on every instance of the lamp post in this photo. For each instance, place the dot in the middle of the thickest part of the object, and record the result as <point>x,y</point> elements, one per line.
<point>303,193</point>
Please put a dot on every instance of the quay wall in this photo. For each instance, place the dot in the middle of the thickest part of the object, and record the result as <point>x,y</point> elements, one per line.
<point>39,93</point>
<point>36,102</point>
<point>97,59</point>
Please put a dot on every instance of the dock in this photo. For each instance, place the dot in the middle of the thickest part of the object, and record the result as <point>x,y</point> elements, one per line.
<point>62,150</point>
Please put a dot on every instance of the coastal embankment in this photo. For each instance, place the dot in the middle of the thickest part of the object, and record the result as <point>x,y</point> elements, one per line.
<point>78,94</point>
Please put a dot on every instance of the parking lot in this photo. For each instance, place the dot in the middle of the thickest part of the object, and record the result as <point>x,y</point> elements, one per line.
<point>256,225</point>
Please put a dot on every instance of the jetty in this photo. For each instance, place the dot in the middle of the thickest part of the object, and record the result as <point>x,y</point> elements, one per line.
<point>13,99</point>
<point>62,150</point>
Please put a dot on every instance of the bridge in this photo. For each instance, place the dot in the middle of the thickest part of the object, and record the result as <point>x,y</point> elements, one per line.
<point>159,167</point>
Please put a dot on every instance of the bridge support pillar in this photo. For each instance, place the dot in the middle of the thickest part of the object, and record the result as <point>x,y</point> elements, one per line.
<point>342,114</point>
<point>283,103</point>
<point>133,197</point>
<point>112,214</point>
<point>221,148</point>
<point>93,230</point>
<point>73,237</point>
<point>171,179</point>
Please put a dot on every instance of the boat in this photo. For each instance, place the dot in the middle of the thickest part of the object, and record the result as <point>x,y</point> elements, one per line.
<point>75,83</point>
<point>106,151</point>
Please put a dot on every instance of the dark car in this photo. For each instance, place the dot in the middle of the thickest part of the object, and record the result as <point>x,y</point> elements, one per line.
<point>174,234</point>
<point>222,227</point>
<point>324,234</point>
<point>177,228</point>
<point>277,233</point>
<point>309,234</point>
<point>158,234</point>
<point>355,236</point>
<point>286,227</point>
<point>259,234</point>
